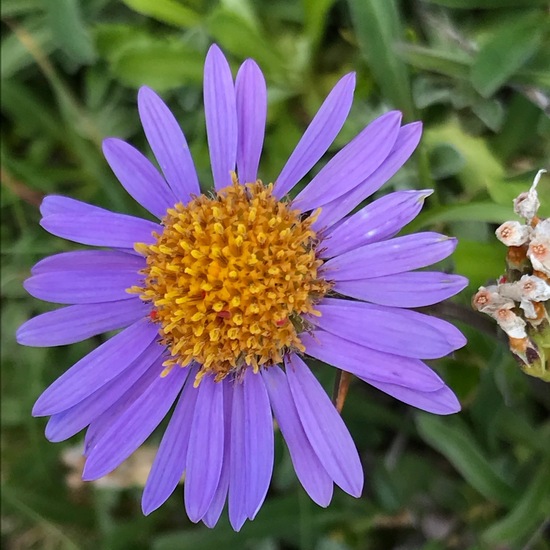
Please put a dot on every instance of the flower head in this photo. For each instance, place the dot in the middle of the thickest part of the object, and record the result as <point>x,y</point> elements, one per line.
<point>519,300</point>
<point>221,301</point>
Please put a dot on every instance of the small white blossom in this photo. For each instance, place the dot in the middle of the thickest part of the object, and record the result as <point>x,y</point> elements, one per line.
<point>510,323</point>
<point>489,300</point>
<point>534,288</point>
<point>527,204</point>
<point>528,309</point>
<point>539,254</point>
<point>513,233</point>
<point>542,230</point>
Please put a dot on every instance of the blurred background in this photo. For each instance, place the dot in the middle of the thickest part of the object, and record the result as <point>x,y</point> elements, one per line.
<point>476,72</point>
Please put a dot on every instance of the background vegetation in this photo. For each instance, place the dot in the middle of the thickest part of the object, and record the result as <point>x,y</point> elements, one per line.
<point>475,71</point>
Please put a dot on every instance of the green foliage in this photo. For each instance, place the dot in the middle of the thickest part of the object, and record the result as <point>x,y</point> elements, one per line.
<point>76,45</point>
<point>491,69</point>
<point>167,11</point>
<point>474,71</point>
<point>378,28</point>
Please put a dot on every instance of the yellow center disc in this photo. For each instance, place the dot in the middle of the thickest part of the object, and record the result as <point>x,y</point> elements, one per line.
<point>229,279</point>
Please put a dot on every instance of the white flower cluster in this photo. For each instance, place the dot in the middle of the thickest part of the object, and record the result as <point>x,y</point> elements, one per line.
<point>518,302</point>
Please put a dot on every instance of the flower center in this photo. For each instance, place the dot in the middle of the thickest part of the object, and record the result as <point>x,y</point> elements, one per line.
<point>229,279</point>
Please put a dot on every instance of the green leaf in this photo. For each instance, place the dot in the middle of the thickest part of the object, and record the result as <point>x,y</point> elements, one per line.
<point>488,212</point>
<point>245,9</point>
<point>481,170</point>
<point>505,53</point>
<point>530,510</point>
<point>316,19</point>
<point>455,64</point>
<point>487,4</point>
<point>12,8</point>
<point>40,509</point>
<point>112,38</point>
<point>490,112</point>
<point>279,517</point>
<point>239,37</point>
<point>516,428</point>
<point>15,56</point>
<point>13,411</point>
<point>538,78</point>
<point>518,132</point>
<point>479,262</point>
<point>167,11</point>
<point>430,90</point>
<point>158,64</point>
<point>378,28</point>
<point>69,31</point>
<point>26,108</point>
<point>445,161</point>
<point>459,447</point>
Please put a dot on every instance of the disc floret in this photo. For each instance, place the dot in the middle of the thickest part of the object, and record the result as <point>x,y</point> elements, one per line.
<point>230,278</point>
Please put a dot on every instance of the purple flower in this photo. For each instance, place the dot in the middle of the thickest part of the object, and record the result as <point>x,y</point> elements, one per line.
<point>222,299</point>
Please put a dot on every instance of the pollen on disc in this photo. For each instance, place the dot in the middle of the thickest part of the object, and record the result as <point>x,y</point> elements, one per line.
<point>230,278</point>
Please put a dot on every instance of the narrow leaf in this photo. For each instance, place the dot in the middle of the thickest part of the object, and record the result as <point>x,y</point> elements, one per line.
<point>507,51</point>
<point>167,11</point>
<point>69,30</point>
<point>527,514</point>
<point>460,448</point>
<point>378,28</point>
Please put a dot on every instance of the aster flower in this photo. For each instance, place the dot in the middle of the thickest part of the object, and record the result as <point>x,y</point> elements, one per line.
<point>222,300</point>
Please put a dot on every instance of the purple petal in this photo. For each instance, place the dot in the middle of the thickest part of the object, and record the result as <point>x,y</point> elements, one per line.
<point>221,116</point>
<point>82,287</point>
<point>251,98</point>
<point>102,229</point>
<point>369,364</point>
<point>324,428</point>
<point>65,424</point>
<point>169,463</point>
<point>258,441</point>
<point>452,335</point>
<point>442,401</point>
<point>56,204</point>
<point>389,330</point>
<point>214,511</point>
<point>388,257</point>
<point>75,323</point>
<point>139,177</point>
<point>378,221</point>
<point>313,477</point>
<point>318,136</point>
<point>353,164</point>
<point>407,140</point>
<point>93,260</point>
<point>411,289</point>
<point>96,369</point>
<point>102,423</point>
<point>168,144</point>
<point>135,425</point>
<point>238,460</point>
<point>205,452</point>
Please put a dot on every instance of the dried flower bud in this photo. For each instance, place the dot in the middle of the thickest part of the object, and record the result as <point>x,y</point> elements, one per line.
<point>489,300</point>
<point>539,254</point>
<point>542,230</point>
<point>527,204</point>
<point>510,323</point>
<point>516,258</point>
<point>534,288</point>
<point>519,300</point>
<point>513,233</point>
<point>529,309</point>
